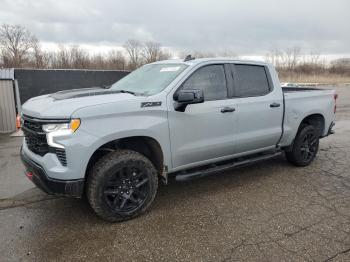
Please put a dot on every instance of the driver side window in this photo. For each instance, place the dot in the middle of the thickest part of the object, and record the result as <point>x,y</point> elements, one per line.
<point>211,79</point>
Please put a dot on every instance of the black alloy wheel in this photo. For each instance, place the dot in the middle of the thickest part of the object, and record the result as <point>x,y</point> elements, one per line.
<point>127,189</point>
<point>309,146</point>
<point>122,185</point>
<point>305,146</point>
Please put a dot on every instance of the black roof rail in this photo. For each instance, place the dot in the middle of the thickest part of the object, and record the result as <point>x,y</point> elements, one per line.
<point>188,58</point>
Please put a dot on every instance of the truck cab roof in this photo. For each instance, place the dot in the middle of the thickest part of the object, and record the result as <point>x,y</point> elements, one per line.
<point>196,61</point>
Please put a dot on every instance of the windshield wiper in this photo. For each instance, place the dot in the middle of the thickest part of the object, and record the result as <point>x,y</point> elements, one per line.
<point>127,91</point>
<point>123,91</point>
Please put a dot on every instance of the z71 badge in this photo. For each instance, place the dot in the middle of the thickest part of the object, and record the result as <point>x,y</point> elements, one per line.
<point>150,104</point>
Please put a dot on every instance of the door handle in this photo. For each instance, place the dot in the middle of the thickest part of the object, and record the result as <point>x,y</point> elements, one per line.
<point>275,105</point>
<point>227,109</point>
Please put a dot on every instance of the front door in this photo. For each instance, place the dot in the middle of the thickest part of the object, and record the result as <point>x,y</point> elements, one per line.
<point>203,132</point>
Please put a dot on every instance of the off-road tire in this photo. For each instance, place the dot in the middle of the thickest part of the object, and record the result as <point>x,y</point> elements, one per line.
<point>103,171</point>
<point>297,155</point>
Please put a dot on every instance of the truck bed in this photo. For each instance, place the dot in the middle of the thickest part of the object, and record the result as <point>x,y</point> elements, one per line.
<point>301,101</point>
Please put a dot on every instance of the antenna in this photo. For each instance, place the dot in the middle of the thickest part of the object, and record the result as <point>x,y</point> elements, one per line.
<point>188,58</point>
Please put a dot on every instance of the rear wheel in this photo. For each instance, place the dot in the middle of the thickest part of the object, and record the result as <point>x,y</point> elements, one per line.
<point>122,185</point>
<point>305,146</point>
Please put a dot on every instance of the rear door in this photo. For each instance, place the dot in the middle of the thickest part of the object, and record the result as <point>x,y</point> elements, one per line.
<point>259,108</point>
<point>206,131</point>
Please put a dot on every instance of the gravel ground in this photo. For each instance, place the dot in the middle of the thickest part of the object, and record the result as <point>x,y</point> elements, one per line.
<point>270,211</point>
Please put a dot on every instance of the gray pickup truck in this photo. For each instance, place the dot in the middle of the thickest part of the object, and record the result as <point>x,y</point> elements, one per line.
<point>176,119</point>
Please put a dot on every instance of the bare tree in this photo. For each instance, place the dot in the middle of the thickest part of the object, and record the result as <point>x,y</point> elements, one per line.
<point>315,58</point>
<point>116,60</point>
<point>61,58</point>
<point>165,54</point>
<point>340,66</point>
<point>133,48</point>
<point>291,57</point>
<point>151,52</point>
<point>98,61</point>
<point>15,43</point>
<point>78,57</point>
<point>40,58</point>
<point>274,57</point>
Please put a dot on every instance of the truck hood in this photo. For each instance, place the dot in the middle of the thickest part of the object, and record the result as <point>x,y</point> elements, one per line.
<point>63,104</point>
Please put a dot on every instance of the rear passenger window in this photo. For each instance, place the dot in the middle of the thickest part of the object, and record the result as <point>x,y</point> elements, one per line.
<point>211,79</point>
<point>252,81</point>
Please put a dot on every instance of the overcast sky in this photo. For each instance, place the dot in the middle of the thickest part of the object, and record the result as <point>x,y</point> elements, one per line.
<point>246,27</point>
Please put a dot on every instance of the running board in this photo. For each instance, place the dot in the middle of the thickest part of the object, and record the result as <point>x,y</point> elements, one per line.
<point>212,169</point>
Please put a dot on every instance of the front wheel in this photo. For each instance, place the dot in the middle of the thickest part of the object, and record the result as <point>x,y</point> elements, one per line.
<point>305,146</point>
<point>122,185</point>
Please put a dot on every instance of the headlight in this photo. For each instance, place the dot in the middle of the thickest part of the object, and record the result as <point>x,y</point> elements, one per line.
<point>58,130</point>
<point>72,126</point>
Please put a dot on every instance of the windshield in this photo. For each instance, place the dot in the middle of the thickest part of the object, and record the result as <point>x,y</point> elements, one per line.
<point>149,79</point>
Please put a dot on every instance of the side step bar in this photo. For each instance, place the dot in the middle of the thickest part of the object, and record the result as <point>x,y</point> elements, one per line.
<point>212,169</point>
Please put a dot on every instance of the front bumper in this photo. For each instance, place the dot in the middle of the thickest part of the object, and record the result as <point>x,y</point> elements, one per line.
<point>70,188</point>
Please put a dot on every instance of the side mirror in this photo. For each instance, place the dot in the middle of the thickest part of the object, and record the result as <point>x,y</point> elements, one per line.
<point>186,97</point>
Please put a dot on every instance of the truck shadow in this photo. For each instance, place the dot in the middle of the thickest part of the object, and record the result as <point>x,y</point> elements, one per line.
<point>237,178</point>
<point>174,194</point>
<point>179,205</point>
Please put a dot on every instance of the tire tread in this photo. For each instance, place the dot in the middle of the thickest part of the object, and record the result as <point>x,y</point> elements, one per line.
<point>294,156</point>
<point>96,178</point>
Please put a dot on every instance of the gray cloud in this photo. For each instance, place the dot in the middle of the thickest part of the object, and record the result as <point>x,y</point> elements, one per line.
<point>247,27</point>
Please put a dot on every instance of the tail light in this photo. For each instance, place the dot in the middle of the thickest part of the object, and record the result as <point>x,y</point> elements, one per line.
<point>335,102</point>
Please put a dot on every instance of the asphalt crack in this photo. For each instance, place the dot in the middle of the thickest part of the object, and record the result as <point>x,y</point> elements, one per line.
<point>337,254</point>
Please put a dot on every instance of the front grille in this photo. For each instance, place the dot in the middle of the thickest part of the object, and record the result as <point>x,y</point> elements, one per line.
<point>36,138</point>
<point>33,126</point>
